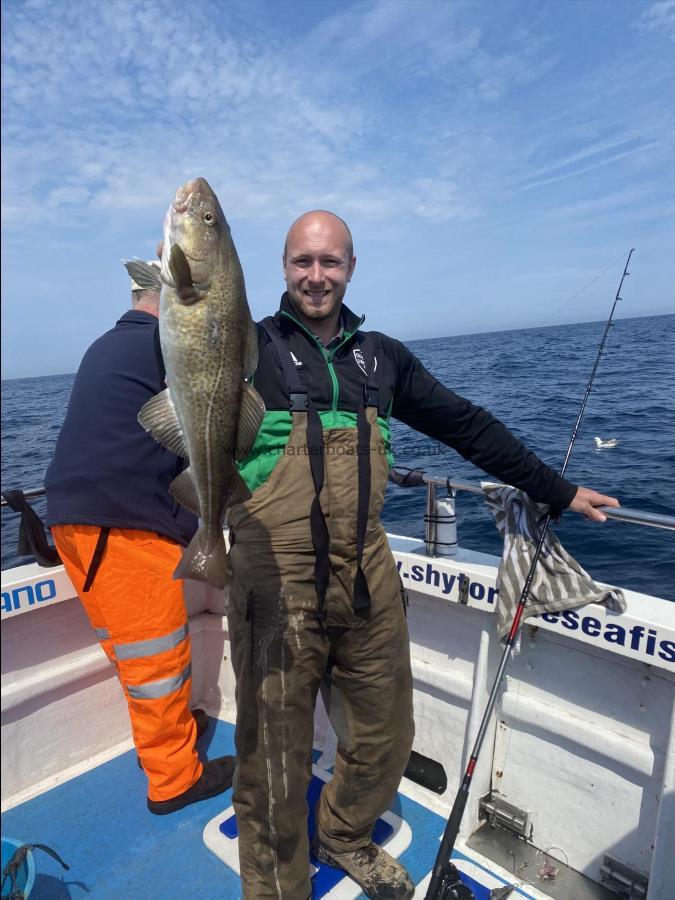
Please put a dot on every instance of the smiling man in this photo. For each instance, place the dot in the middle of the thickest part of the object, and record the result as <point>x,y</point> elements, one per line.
<point>315,589</point>
<point>318,265</point>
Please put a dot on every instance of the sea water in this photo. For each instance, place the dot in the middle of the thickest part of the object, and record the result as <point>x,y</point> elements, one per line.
<point>534,381</point>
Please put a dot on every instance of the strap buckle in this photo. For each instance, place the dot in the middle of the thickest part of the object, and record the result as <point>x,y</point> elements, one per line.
<point>298,401</point>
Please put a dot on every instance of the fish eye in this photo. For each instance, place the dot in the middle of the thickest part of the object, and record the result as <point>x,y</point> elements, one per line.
<point>209,218</point>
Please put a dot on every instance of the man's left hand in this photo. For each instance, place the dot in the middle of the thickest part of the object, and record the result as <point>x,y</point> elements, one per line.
<point>585,502</point>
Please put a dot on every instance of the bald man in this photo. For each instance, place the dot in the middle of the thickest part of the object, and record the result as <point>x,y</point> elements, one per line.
<point>316,592</point>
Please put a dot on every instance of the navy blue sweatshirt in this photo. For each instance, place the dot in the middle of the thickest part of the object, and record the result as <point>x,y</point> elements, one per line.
<point>106,469</point>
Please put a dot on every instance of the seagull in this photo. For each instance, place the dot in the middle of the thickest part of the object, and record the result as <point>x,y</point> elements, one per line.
<point>605,445</point>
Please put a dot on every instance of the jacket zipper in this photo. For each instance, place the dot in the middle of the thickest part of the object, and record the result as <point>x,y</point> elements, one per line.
<point>328,356</point>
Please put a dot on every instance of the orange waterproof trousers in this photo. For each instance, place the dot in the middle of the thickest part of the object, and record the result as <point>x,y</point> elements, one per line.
<point>138,613</point>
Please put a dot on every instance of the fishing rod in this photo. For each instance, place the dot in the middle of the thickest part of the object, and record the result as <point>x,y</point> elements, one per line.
<point>445,883</point>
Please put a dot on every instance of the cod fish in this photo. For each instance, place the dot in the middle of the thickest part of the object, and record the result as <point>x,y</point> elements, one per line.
<point>208,413</point>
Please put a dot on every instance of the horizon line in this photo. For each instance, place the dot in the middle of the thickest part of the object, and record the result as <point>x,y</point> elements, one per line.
<point>420,340</point>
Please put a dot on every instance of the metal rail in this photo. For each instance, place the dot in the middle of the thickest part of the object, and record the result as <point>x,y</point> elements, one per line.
<point>619,514</point>
<point>33,492</point>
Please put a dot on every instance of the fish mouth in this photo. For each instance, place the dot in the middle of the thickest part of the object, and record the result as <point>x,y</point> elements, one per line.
<point>182,200</point>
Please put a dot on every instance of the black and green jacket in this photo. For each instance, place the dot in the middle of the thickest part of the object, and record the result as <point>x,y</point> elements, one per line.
<point>334,379</point>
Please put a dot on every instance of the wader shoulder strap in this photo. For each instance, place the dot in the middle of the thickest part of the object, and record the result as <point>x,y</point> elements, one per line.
<point>370,398</point>
<point>95,563</point>
<point>371,389</point>
<point>299,401</point>
<point>297,392</point>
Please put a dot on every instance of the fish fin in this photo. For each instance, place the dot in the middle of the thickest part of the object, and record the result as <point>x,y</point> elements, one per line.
<point>205,559</point>
<point>239,491</point>
<point>180,268</point>
<point>251,413</point>
<point>158,417</point>
<point>183,491</point>
<point>182,276</point>
<point>251,350</point>
<point>146,275</point>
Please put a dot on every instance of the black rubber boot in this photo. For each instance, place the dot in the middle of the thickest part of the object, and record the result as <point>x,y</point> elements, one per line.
<point>216,778</point>
<point>202,721</point>
<point>377,873</point>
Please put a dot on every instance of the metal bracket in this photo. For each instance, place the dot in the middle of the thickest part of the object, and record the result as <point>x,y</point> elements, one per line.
<point>623,879</point>
<point>502,813</point>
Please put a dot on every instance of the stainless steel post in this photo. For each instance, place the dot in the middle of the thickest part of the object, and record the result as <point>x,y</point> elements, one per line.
<point>430,520</point>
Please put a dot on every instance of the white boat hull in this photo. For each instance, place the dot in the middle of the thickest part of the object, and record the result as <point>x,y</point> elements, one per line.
<point>583,740</point>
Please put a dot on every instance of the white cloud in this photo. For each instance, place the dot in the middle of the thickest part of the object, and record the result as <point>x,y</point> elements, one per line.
<point>596,148</point>
<point>66,196</point>
<point>580,170</point>
<point>420,121</point>
<point>122,130</point>
<point>660,17</point>
<point>379,109</point>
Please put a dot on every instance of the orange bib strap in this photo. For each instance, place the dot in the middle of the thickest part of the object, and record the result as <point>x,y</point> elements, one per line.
<point>99,550</point>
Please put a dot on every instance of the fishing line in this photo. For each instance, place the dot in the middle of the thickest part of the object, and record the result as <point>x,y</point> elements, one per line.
<point>574,296</point>
<point>445,883</point>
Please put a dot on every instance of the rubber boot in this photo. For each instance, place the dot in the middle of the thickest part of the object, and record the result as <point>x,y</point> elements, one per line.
<point>216,777</point>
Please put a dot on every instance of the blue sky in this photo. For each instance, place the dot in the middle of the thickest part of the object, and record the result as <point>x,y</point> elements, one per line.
<point>491,158</point>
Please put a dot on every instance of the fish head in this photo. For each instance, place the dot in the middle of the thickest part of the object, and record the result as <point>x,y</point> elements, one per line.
<point>196,223</point>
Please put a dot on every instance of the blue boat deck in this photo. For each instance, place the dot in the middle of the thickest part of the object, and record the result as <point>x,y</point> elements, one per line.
<point>99,825</point>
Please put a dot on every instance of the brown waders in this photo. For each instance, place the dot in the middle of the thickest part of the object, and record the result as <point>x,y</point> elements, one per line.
<point>302,606</point>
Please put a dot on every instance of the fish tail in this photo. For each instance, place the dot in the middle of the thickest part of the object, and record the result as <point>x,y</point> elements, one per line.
<point>205,558</point>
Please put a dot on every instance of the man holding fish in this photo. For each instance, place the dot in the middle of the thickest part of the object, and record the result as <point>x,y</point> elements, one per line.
<point>302,403</point>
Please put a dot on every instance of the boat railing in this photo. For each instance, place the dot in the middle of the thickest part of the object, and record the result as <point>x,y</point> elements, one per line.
<point>440,520</point>
<point>33,492</point>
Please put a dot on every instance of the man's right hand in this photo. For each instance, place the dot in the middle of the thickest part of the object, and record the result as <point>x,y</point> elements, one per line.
<point>585,501</point>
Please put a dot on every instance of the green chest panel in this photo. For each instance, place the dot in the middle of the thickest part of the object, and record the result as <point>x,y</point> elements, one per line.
<point>273,436</point>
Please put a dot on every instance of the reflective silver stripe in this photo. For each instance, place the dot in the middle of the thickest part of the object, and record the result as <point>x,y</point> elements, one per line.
<point>138,649</point>
<point>153,690</point>
<point>102,634</point>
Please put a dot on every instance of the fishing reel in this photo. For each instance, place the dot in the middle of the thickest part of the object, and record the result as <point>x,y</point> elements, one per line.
<point>458,891</point>
<point>453,888</point>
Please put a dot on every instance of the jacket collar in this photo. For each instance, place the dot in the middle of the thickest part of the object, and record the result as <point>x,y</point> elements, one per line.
<point>138,316</point>
<point>350,321</point>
